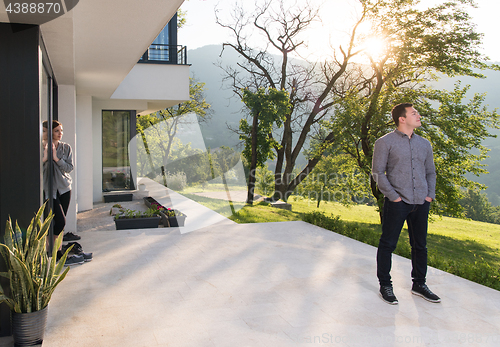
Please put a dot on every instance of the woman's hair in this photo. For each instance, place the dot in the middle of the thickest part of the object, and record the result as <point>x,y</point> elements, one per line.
<point>55,124</point>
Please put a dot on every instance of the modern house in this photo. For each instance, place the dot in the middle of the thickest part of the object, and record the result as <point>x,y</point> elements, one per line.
<point>88,69</point>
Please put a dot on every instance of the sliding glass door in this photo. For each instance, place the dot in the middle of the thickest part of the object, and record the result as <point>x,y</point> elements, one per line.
<point>117,130</point>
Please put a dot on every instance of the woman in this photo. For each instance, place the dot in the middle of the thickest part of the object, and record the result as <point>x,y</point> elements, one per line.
<point>62,158</point>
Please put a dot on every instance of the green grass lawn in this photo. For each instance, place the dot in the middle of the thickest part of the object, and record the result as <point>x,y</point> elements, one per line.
<point>212,187</point>
<point>451,235</point>
<point>220,206</point>
<point>466,248</point>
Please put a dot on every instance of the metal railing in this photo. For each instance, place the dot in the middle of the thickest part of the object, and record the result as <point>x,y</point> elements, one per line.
<point>165,54</point>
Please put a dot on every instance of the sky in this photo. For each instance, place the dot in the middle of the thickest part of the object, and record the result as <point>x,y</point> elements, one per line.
<point>202,30</point>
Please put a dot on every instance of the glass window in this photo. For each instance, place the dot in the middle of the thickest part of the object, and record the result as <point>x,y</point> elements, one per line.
<point>115,154</point>
<point>162,38</point>
<point>45,101</point>
<point>159,49</point>
<point>48,111</point>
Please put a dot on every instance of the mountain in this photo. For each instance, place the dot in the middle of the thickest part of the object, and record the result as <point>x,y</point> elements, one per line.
<point>227,109</point>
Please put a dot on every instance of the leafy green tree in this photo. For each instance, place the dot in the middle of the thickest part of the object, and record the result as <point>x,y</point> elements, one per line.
<point>264,180</point>
<point>477,207</point>
<point>336,178</point>
<point>420,45</point>
<point>266,109</point>
<point>282,27</point>
<point>163,126</point>
<point>194,163</point>
<point>181,18</point>
<point>455,129</point>
<point>226,158</point>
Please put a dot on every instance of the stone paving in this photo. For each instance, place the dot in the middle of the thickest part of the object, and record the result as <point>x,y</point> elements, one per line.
<point>270,284</point>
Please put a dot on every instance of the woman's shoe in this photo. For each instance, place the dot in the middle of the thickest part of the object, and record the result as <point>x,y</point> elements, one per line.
<point>69,236</point>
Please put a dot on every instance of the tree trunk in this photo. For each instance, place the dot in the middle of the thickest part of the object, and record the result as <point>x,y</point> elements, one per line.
<point>286,187</point>
<point>253,163</point>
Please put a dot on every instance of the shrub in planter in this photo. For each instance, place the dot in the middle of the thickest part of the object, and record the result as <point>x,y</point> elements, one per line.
<point>169,217</point>
<point>131,219</point>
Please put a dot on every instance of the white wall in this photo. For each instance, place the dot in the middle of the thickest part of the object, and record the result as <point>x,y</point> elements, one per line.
<point>162,83</point>
<point>67,116</point>
<point>84,144</point>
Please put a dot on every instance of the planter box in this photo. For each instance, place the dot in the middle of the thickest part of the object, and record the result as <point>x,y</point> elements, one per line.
<point>110,197</point>
<point>176,221</point>
<point>172,221</point>
<point>148,201</point>
<point>137,223</point>
<point>164,219</point>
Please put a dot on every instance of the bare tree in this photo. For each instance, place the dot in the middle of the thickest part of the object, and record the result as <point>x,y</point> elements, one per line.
<point>351,101</point>
<point>309,85</point>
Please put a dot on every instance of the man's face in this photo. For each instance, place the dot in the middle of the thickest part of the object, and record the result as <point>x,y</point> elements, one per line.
<point>412,119</point>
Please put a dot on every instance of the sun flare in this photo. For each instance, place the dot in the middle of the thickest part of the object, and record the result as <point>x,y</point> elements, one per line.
<point>375,48</point>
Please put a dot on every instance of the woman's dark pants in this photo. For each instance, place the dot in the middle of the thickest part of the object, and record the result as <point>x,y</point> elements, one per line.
<point>61,204</point>
<point>416,217</point>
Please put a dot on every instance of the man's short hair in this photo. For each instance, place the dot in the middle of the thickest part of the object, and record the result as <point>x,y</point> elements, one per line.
<point>400,111</point>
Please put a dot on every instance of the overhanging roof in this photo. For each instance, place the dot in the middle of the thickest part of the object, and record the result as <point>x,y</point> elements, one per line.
<point>97,44</point>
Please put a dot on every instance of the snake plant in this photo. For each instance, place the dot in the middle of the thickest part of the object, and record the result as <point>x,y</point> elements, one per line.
<point>32,275</point>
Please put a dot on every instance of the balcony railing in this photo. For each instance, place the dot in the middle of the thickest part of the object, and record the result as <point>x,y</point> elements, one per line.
<point>165,54</point>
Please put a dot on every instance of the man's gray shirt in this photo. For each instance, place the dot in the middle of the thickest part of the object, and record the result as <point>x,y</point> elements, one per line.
<point>404,167</point>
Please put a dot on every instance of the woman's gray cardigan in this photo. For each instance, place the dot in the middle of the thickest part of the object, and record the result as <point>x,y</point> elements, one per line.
<point>62,180</point>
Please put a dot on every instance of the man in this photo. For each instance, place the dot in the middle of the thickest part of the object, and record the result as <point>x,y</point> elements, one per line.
<point>403,168</point>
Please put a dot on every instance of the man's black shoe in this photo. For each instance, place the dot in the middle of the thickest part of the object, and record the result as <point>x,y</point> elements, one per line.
<point>76,247</point>
<point>77,250</point>
<point>422,290</point>
<point>71,237</point>
<point>387,294</point>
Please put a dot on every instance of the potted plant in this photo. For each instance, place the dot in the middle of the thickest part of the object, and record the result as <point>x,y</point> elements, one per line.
<point>169,217</point>
<point>175,217</point>
<point>159,210</point>
<point>149,200</point>
<point>32,275</point>
<point>131,219</point>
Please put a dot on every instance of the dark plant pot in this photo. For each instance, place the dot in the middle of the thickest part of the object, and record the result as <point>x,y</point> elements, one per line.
<point>118,197</point>
<point>137,223</point>
<point>176,221</point>
<point>148,201</point>
<point>28,328</point>
<point>164,219</point>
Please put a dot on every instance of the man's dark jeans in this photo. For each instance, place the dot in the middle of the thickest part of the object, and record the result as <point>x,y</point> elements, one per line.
<point>395,214</point>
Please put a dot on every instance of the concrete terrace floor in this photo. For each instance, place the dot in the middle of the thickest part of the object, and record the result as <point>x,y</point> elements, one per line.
<point>271,284</point>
